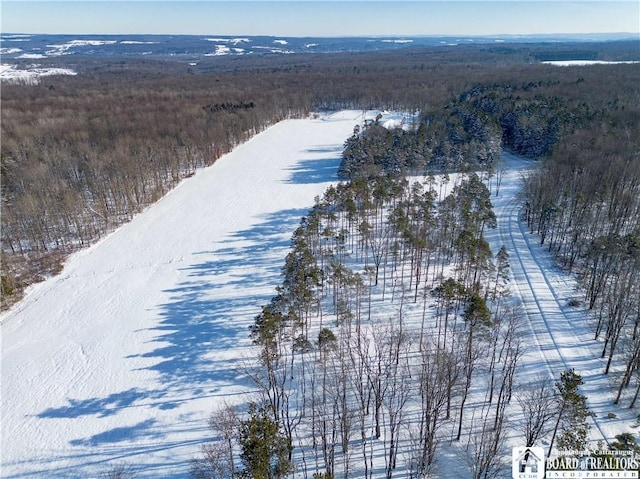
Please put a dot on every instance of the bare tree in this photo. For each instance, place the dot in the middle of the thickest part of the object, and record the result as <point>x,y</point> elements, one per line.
<point>120,471</point>
<point>439,371</point>
<point>225,421</point>
<point>538,404</point>
<point>217,461</point>
<point>485,451</point>
<point>398,392</point>
<point>214,463</point>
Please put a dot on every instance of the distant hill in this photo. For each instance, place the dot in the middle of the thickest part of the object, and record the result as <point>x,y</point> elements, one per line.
<point>16,46</point>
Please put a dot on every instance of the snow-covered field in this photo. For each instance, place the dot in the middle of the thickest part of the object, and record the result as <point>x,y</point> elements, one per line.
<point>122,357</point>
<point>30,75</point>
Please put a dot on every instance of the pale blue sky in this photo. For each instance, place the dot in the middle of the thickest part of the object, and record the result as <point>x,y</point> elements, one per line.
<point>320,18</point>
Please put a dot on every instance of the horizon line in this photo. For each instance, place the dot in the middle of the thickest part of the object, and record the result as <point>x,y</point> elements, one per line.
<point>395,35</point>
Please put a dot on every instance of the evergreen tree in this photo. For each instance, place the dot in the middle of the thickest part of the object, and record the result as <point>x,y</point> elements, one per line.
<point>503,268</point>
<point>477,316</point>
<point>625,442</point>
<point>264,447</point>
<point>573,413</point>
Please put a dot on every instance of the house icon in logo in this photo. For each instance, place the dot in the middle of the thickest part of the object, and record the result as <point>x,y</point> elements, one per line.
<point>528,463</point>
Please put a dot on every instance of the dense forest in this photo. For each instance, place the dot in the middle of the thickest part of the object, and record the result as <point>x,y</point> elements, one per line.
<point>80,155</point>
<point>470,131</point>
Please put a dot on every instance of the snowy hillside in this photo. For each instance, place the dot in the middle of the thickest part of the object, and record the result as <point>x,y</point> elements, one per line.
<point>122,357</point>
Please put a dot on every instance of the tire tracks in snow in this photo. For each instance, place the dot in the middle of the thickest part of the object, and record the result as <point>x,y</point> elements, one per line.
<point>552,332</point>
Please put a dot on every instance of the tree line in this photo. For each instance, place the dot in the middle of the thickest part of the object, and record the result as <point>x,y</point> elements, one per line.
<point>585,207</point>
<point>82,158</point>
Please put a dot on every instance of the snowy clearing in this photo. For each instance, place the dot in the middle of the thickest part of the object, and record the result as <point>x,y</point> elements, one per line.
<point>122,357</point>
<point>31,75</point>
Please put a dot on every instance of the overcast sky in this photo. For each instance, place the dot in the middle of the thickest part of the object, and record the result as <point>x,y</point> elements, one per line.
<point>320,18</point>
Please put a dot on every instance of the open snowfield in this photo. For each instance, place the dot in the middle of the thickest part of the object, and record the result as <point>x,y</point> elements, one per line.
<point>122,357</point>
<point>30,75</point>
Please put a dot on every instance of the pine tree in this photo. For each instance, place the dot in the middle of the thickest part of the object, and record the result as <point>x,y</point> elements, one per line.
<point>625,441</point>
<point>264,447</point>
<point>503,268</point>
<point>573,413</point>
<point>478,318</point>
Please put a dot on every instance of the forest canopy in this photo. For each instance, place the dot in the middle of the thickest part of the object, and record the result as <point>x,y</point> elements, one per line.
<point>81,155</point>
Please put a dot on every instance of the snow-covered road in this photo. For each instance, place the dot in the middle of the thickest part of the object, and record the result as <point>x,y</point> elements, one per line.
<point>561,335</point>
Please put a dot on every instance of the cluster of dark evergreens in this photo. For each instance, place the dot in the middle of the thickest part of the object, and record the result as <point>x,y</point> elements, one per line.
<point>441,142</point>
<point>470,131</point>
<point>212,108</point>
<point>531,122</point>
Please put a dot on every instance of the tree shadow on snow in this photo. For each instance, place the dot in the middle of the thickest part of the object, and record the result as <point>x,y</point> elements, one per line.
<point>96,455</point>
<point>321,170</point>
<point>101,407</point>
<point>199,332</point>
<point>209,314</point>
<point>199,337</point>
<point>117,434</point>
